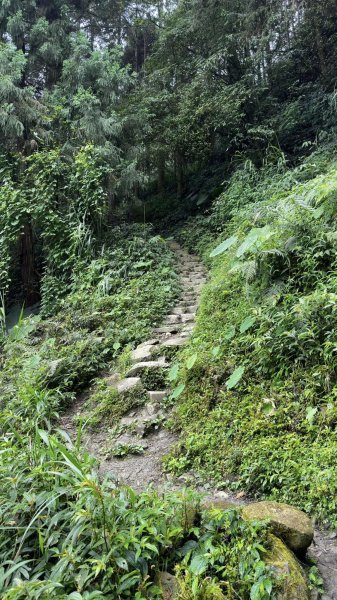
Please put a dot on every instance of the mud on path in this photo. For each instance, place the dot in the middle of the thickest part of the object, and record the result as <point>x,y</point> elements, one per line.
<point>142,427</point>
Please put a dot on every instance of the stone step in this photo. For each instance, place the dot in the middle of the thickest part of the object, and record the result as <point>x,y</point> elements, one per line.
<point>142,353</point>
<point>193,279</point>
<point>172,319</point>
<point>178,310</point>
<point>175,341</point>
<point>186,334</point>
<point>128,384</point>
<point>187,317</point>
<point>194,270</point>
<point>188,327</point>
<point>174,245</point>
<point>190,308</point>
<point>150,364</point>
<point>151,342</point>
<point>174,328</point>
<point>157,396</point>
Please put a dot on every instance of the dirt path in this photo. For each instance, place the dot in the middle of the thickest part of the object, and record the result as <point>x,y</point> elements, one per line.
<point>142,427</point>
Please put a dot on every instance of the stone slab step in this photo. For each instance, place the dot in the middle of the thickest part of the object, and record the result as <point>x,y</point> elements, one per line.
<point>157,396</point>
<point>128,384</point>
<point>190,308</point>
<point>142,353</point>
<point>192,271</point>
<point>186,334</point>
<point>150,364</point>
<point>178,310</point>
<point>187,327</point>
<point>151,342</point>
<point>172,319</point>
<point>173,328</point>
<point>187,280</point>
<point>187,317</point>
<point>174,341</point>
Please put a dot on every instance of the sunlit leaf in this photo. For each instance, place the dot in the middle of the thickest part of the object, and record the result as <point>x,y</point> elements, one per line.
<point>224,246</point>
<point>191,361</point>
<point>235,378</point>
<point>247,324</point>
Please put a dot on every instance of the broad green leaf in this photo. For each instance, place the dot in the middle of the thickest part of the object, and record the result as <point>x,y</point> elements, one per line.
<point>256,236</point>
<point>116,346</point>
<point>44,436</point>
<point>216,351</point>
<point>198,564</point>
<point>224,246</point>
<point>178,391</point>
<point>191,361</point>
<point>235,378</point>
<point>247,323</point>
<point>173,372</point>
<point>311,412</point>
<point>268,406</point>
<point>230,333</point>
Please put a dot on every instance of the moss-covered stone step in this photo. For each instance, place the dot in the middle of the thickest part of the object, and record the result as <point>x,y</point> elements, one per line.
<point>139,367</point>
<point>157,396</point>
<point>175,341</point>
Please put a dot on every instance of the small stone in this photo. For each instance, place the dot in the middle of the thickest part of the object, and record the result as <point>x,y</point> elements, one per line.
<point>290,524</point>
<point>157,396</point>
<point>240,495</point>
<point>222,495</point>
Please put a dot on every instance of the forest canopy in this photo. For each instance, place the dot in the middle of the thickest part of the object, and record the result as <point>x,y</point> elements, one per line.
<point>132,100</point>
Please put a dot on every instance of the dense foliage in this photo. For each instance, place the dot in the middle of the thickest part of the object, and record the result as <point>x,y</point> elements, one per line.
<point>217,121</point>
<point>265,339</point>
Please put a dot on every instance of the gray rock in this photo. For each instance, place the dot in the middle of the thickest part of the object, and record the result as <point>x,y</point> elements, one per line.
<point>128,384</point>
<point>150,364</point>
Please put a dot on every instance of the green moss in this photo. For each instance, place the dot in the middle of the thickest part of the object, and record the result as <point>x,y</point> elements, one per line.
<point>106,406</point>
<point>154,379</point>
<point>292,580</point>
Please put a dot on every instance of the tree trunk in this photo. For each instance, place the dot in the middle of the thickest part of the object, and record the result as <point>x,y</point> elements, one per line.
<point>179,175</point>
<point>29,282</point>
<point>161,174</point>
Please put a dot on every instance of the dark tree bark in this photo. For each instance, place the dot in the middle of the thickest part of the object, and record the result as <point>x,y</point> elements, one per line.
<point>28,275</point>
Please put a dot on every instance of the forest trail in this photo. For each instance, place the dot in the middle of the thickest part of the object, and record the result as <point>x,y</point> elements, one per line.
<point>142,427</point>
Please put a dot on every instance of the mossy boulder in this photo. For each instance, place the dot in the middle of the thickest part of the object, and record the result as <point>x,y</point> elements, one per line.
<point>167,584</point>
<point>292,579</point>
<point>290,524</point>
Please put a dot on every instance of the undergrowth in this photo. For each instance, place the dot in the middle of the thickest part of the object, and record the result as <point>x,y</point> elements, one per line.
<point>258,407</point>
<point>64,533</point>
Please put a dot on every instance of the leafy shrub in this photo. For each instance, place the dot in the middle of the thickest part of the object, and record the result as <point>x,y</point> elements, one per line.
<point>260,413</point>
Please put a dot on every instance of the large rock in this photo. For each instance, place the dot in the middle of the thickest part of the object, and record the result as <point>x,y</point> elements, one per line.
<point>293,584</point>
<point>290,524</point>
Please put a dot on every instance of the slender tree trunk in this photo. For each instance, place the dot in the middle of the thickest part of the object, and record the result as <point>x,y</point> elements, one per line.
<point>161,174</point>
<point>29,282</point>
<point>179,175</point>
